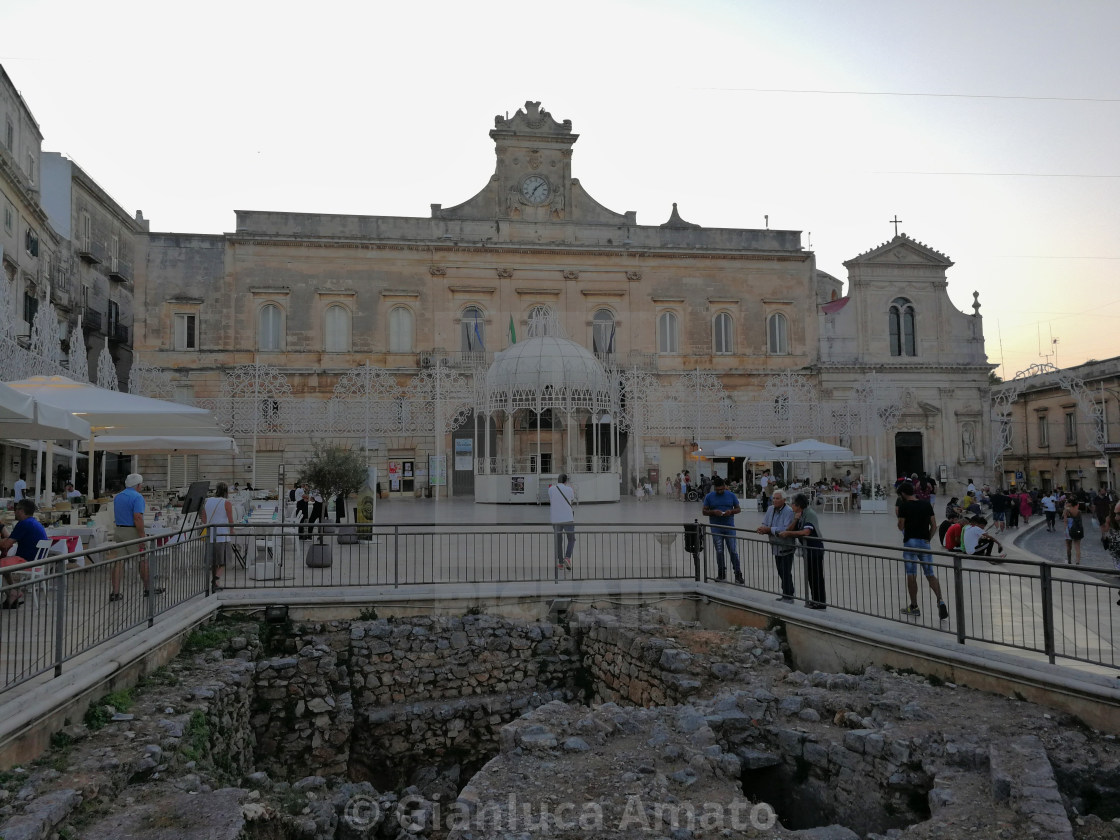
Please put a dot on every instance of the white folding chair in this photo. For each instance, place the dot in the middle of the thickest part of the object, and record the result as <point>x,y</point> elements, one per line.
<point>37,575</point>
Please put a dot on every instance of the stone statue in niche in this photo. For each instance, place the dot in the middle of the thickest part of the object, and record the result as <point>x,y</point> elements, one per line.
<point>968,441</point>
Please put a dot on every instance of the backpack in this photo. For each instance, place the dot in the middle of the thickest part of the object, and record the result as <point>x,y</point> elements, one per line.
<point>292,495</point>
<point>1076,529</point>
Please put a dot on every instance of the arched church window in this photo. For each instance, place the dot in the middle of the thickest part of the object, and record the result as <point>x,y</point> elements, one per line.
<point>270,328</point>
<point>777,334</point>
<point>723,334</point>
<point>400,330</point>
<point>602,331</point>
<point>667,337</point>
<point>336,329</point>
<point>900,321</point>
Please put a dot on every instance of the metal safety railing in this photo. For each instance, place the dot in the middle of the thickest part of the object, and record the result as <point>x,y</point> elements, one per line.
<point>68,603</point>
<point>67,611</point>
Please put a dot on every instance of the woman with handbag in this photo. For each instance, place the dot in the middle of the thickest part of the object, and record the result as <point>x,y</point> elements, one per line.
<point>217,516</point>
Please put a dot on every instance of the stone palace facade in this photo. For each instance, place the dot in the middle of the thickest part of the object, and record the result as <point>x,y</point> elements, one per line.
<point>725,328</point>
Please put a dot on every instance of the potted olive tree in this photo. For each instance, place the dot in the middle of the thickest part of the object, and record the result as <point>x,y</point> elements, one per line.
<point>333,471</point>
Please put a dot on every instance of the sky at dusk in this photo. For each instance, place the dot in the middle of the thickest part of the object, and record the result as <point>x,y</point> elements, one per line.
<point>989,127</point>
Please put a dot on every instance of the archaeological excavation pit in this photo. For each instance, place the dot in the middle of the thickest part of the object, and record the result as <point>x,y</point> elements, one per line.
<point>627,721</point>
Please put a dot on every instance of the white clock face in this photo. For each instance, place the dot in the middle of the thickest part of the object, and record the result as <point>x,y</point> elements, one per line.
<point>535,189</point>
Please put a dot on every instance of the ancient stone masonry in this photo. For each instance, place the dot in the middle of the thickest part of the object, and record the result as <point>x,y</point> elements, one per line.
<point>478,727</point>
<point>418,690</point>
<point>640,665</point>
<point>303,714</point>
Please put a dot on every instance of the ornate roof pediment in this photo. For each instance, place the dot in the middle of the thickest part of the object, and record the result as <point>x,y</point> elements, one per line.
<point>532,119</point>
<point>902,250</point>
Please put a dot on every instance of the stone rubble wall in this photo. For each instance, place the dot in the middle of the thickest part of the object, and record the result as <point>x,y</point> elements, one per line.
<point>303,714</point>
<point>367,693</point>
<point>169,734</point>
<point>640,666</point>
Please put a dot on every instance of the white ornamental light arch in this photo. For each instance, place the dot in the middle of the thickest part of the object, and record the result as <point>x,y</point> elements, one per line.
<point>1005,395</point>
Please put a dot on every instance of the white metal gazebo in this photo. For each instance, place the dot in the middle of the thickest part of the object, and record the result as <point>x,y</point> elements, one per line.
<point>555,411</point>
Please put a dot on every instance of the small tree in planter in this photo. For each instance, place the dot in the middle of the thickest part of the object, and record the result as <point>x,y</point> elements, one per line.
<point>333,471</point>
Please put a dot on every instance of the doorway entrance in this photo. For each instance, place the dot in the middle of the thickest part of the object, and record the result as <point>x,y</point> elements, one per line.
<point>908,453</point>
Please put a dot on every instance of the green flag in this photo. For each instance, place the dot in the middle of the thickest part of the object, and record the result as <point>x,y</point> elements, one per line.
<point>512,331</point>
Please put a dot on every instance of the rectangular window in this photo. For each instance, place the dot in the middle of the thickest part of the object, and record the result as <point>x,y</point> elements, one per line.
<point>1043,430</point>
<point>10,135</point>
<point>86,231</point>
<point>114,253</point>
<point>31,166</point>
<point>9,218</point>
<point>186,333</point>
<point>1071,428</point>
<point>112,319</point>
<point>30,306</point>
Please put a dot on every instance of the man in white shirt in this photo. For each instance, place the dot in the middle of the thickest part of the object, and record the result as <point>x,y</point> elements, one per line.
<point>70,494</point>
<point>1050,509</point>
<point>20,487</point>
<point>977,542</point>
<point>562,515</point>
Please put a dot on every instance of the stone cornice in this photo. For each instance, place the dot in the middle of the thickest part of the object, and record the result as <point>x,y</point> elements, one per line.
<point>501,250</point>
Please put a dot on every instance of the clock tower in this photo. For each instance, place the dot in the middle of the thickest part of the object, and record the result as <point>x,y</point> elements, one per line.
<point>534,166</point>
<point>532,181</point>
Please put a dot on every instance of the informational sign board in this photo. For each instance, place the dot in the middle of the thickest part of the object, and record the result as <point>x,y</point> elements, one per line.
<point>517,484</point>
<point>464,454</point>
<point>437,470</point>
<point>394,475</point>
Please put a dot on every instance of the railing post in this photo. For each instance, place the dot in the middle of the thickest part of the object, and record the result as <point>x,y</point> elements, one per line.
<point>396,555</point>
<point>153,576</point>
<point>1047,581</point>
<point>958,595</point>
<point>60,620</point>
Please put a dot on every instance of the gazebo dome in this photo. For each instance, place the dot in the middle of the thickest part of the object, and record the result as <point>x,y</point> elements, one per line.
<point>547,372</point>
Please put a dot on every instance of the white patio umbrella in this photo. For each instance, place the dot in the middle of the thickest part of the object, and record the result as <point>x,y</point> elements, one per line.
<point>24,417</point>
<point>176,444</point>
<point>115,414</point>
<point>815,451</point>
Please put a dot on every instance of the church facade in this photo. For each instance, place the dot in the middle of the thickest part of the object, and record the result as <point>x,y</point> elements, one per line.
<point>294,304</point>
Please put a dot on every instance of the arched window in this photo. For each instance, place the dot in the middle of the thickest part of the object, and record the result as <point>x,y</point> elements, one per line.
<point>777,334</point>
<point>723,334</point>
<point>270,328</point>
<point>602,331</point>
<point>667,333</point>
<point>900,320</point>
<point>473,330</point>
<point>400,330</point>
<point>336,329</point>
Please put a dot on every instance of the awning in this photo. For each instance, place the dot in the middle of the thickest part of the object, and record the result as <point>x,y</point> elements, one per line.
<point>181,444</point>
<point>24,416</point>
